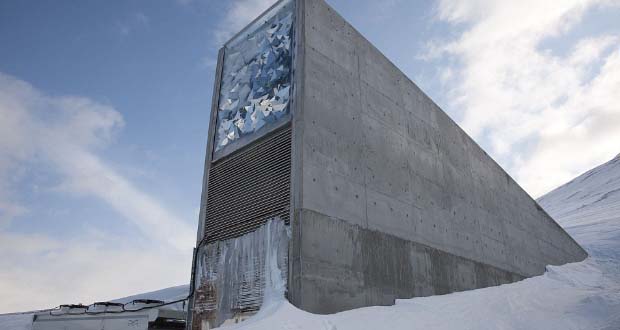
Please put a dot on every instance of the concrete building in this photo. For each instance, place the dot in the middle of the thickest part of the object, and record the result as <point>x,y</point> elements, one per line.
<point>379,194</point>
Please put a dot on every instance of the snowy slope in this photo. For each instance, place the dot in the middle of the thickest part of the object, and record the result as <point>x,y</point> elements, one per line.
<point>584,295</point>
<point>588,207</point>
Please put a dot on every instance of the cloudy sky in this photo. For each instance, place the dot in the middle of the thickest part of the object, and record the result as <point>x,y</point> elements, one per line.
<point>104,109</point>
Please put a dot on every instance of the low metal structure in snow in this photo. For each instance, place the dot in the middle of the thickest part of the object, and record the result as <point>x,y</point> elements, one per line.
<point>141,314</point>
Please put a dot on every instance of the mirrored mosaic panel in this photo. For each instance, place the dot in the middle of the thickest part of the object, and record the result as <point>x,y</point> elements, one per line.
<point>256,78</point>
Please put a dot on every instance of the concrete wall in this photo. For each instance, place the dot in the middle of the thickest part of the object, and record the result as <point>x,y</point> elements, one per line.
<point>392,199</point>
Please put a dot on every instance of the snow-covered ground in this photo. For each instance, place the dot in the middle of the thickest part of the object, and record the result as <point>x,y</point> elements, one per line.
<point>584,295</point>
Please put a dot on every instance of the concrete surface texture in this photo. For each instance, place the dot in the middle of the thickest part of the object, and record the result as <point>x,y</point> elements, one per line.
<point>391,198</point>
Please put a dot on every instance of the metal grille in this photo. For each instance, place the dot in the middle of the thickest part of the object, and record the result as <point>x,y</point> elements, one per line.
<point>249,187</point>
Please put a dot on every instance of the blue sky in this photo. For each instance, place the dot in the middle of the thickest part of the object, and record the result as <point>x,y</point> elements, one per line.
<point>104,111</point>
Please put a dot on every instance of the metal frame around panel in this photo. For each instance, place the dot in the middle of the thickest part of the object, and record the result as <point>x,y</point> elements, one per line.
<point>295,80</point>
<point>269,128</point>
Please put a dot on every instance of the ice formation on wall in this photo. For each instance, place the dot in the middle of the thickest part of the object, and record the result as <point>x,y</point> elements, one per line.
<point>256,78</point>
<point>238,275</point>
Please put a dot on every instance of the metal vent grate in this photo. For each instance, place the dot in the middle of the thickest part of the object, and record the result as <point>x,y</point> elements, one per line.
<point>249,187</point>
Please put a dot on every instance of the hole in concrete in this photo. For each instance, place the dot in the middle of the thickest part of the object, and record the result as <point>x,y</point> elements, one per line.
<point>313,179</point>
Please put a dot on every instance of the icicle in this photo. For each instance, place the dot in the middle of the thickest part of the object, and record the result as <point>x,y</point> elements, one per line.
<point>239,276</point>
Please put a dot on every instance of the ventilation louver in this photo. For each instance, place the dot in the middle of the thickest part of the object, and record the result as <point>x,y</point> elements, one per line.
<point>249,187</point>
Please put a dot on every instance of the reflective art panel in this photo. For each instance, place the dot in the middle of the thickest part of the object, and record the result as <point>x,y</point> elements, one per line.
<point>256,78</point>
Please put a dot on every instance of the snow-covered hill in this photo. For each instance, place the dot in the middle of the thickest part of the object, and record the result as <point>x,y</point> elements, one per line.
<point>584,295</point>
<point>588,207</point>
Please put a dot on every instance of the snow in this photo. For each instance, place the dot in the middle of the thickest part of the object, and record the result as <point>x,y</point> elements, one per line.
<point>588,207</point>
<point>583,295</point>
<point>574,296</point>
<point>275,278</point>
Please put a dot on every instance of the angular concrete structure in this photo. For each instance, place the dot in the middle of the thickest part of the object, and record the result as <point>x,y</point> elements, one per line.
<point>383,195</point>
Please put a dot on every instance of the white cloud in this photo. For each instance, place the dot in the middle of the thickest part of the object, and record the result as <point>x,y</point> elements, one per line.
<point>38,272</point>
<point>63,135</point>
<point>209,63</point>
<point>239,14</point>
<point>131,23</point>
<point>547,117</point>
